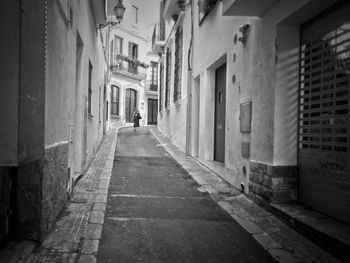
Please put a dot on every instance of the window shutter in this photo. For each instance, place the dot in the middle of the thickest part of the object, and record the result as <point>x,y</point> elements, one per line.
<point>130,49</point>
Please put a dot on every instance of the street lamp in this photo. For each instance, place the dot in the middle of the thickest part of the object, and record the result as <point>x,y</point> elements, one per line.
<point>119,10</point>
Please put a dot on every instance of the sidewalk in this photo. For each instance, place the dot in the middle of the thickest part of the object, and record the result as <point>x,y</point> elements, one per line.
<point>283,243</point>
<point>76,235</point>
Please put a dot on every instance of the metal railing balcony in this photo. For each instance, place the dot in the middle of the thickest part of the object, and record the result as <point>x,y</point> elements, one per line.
<point>128,69</point>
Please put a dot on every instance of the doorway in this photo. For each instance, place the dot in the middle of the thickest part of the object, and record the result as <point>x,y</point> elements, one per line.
<point>130,104</point>
<point>220,110</point>
<point>152,111</point>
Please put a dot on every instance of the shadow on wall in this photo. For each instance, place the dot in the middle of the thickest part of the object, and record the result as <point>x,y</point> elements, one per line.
<point>286,103</point>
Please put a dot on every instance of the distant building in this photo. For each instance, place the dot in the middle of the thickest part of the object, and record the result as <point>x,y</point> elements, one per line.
<point>259,91</point>
<point>53,99</point>
<point>133,68</point>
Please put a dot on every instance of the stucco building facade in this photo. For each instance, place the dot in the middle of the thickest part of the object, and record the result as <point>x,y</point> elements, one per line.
<point>54,97</point>
<point>133,67</point>
<point>264,95</point>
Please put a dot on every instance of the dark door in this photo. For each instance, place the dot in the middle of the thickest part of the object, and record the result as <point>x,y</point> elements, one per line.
<point>130,104</point>
<point>324,126</point>
<point>220,108</point>
<point>152,111</point>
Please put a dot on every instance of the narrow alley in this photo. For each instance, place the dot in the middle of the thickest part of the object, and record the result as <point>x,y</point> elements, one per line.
<point>143,200</point>
<point>161,131</point>
<point>155,212</point>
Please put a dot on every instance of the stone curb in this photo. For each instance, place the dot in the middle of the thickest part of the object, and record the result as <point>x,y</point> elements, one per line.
<point>90,244</point>
<point>275,249</point>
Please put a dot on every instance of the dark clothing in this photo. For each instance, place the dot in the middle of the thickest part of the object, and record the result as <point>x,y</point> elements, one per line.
<point>136,119</point>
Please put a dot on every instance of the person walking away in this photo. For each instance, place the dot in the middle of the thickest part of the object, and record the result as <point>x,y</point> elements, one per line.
<point>136,119</point>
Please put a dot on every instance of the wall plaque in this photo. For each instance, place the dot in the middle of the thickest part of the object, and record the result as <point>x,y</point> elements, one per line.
<point>245,116</point>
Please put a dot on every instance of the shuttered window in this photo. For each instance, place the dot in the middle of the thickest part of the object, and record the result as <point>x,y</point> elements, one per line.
<point>161,73</point>
<point>167,78</point>
<point>178,64</point>
<point>154,76</point>
<point>115,100</point>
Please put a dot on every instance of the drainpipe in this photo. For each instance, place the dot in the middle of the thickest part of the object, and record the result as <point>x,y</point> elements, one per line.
<point>189,88</point>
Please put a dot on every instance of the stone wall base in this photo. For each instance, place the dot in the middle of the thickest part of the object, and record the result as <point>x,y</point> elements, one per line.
<point>55,184</point>
<point>42,192</point>
<point>276,184</point>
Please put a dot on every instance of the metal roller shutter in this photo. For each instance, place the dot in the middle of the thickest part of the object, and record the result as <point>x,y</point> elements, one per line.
<point>324,115</point>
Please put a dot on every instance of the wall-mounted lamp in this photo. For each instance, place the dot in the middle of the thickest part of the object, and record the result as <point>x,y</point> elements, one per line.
<point>119,10</point>
<point>243,29</point>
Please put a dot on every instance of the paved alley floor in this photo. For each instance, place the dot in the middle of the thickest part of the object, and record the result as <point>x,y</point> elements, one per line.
<point>155,212</point>
<point>143,200</point>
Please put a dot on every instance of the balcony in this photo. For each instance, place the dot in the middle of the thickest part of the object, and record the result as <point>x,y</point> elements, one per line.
<point>158,38</point>
<point>246,7</point>
<point>172,8</point>
<point>128,70</point>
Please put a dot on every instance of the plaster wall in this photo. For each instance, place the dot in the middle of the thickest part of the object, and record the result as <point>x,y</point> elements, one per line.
<point>209,54</point>
<point>61,79</point>
<point>129,36</point>
<point>172,119</point>
<point>263,71</point>
<point>286,96</point>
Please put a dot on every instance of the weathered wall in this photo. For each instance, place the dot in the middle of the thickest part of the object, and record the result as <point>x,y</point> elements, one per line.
<point>29,200</point>
<point>9,91</point>
<point>54,183</point>
<point>273,183</point>
<point>6,175</point>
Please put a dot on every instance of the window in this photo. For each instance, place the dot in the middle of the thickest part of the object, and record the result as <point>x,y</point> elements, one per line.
<point>136,13</point>
<point>161,73</point>
<point>115,100</point>
<point>167,77</point>
<point>133,52</point>
<point>178,64</point>
<point>90,89</point>
<point>118,47</point>
<point>111,53</point>
<point>154,76</point>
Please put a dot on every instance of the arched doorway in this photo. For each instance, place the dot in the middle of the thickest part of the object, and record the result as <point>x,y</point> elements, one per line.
<point>130,104</point>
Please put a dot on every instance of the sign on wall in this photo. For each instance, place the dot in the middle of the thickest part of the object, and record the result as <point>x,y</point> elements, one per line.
<point>245,116</point>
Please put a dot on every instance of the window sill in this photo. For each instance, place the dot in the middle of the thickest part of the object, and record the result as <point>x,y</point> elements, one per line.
<point>90,115</point>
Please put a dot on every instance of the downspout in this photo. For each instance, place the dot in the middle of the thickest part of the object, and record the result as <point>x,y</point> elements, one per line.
<point>189,88</point>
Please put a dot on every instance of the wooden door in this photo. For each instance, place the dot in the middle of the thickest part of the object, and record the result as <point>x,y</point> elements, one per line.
<point>130,104</point>
<point>220,109</point>
<point>152,111</point>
